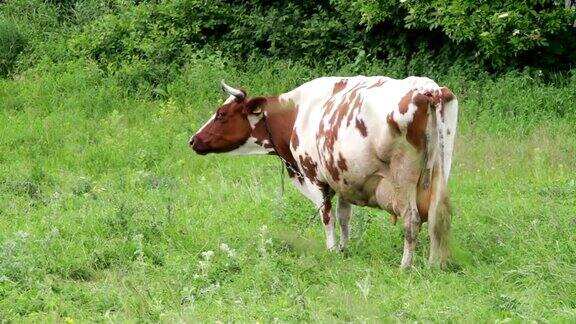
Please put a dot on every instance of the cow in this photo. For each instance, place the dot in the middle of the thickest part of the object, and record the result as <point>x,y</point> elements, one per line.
<point>372,141</point>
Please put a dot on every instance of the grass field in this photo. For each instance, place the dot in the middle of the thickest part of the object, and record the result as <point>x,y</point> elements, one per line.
<point>107,215</point>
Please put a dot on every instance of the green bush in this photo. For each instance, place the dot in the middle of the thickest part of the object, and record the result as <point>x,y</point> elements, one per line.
<point>493,35</point>
<point>147,43</point>
<point>517,33</point>
<point>12,43</point>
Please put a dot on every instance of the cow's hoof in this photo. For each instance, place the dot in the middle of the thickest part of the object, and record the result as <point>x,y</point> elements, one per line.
<point>406,266</point>
<point>334,248</point>
<point>344,251</point>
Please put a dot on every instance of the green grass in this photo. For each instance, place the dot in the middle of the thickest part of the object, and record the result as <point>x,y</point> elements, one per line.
<point>105,211</point>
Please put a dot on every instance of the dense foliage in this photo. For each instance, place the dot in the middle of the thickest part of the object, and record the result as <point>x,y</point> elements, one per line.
<point>148,41</point>
<point>11,44</point>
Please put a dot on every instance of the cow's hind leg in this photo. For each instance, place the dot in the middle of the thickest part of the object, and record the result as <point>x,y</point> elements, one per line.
<point>397,201</point>
<point>344,214</point>
<point>412,224</point>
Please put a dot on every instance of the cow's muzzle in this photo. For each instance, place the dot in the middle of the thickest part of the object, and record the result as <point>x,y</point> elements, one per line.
<point>198,145</point>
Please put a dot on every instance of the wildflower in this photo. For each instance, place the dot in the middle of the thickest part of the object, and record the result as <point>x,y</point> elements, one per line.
<point>515,32</point>
<point>207,255</point>
<point>226,249</point>
<point>54,232</point>
<point>364,286</point>
<point>503,15</point>
<point>264,240</point>
<point>203,265</point>
<point>210,289</point>
<point>22,235</point>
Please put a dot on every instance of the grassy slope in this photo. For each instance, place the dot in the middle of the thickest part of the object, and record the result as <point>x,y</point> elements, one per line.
<point>104,213</point>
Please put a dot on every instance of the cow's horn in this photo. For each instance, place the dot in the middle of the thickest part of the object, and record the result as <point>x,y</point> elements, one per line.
<point>231,91</point>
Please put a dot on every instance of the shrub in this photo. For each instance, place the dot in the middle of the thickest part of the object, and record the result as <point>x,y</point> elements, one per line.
<point>12,43</point>
<point>148,42</point>
<point>500,33</point>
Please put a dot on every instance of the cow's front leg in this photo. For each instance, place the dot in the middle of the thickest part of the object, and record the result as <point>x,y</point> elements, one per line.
<point>344,214</point>
<point>412,224</point>
<point>327,217</point>
<point>320,195</point>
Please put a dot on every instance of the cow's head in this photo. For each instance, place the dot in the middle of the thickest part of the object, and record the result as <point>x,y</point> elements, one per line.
<point>230,129</point>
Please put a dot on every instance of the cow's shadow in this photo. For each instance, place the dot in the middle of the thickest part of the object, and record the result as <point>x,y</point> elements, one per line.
<point>373,237</point>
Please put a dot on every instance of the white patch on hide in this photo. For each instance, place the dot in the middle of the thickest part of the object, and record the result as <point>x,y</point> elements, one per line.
<point>250,147</point>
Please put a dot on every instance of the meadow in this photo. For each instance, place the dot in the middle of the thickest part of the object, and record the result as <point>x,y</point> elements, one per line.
<point>106,215</point>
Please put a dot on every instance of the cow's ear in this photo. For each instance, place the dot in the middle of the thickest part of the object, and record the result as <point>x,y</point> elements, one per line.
<point>254,105</point>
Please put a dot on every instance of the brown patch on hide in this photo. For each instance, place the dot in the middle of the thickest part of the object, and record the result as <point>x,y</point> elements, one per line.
<point>416,133</point>
<point>333,169</point>
<point>309,168</point>
<point>330,133</point>
<point>342,162</point>
<point>278,124</point>
<point>328,106</point>
<point>425,190</point>
<point>377,84</point>
<point>355,109</point>
<point>327,203</point>
<point>261,134</point>
<point>361,127</point>
<point>354,92</point>
<point>393,124</point>
<point>339,86</point>
<point>447,95</point>
<point>405,102</point>
<point>295,140</point>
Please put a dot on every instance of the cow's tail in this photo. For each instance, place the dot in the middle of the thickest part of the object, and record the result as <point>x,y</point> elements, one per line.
<point>439,158</point>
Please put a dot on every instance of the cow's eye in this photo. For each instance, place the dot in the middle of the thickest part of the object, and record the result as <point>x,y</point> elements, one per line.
<point>219,116</point>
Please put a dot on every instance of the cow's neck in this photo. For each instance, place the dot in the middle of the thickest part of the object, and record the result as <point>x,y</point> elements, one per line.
<point>275,128</point>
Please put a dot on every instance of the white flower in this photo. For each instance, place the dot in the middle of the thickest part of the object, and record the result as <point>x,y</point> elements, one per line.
<point>264,240</point>
<point>364,286</point>
<point>210,289</point>
<point>203,265</point>
<point>226,249</point>
<point>515,32</point>
<point>22,235</point>
<point>503,15</point>
<point>207,255</point>
<point>54,232</point>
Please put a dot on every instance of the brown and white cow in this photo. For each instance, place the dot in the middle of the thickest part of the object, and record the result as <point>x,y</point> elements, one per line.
<point>373,141</point>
